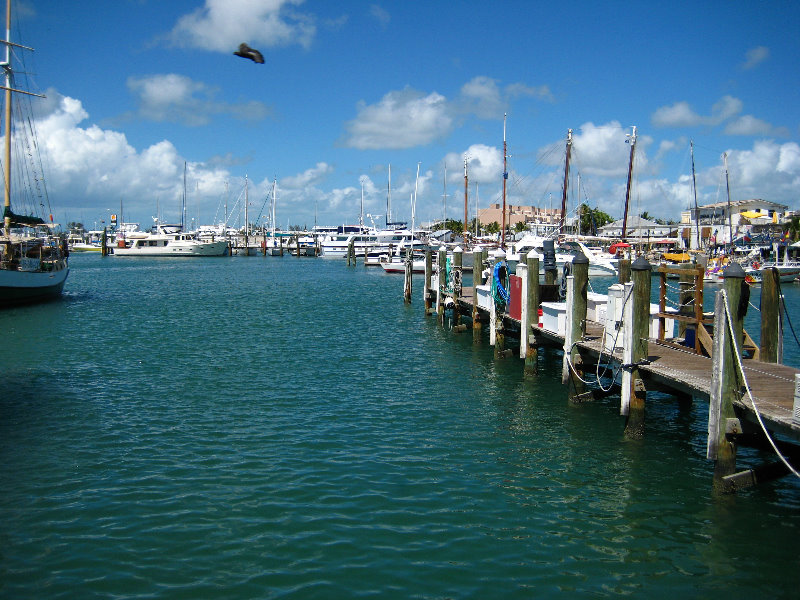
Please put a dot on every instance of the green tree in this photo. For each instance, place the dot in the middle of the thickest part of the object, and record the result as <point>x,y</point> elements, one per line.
<point>519,227</point>
<point>493,227</point>
<point>592,219</point>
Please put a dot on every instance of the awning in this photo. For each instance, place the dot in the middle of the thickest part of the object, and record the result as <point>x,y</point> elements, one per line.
<point>618,246</point>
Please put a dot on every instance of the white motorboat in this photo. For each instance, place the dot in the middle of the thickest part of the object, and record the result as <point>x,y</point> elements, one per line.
<point>168,240</point>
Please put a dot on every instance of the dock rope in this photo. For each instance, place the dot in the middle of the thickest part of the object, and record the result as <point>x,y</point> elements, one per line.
<point>729,321</point>
<point>598,374</point>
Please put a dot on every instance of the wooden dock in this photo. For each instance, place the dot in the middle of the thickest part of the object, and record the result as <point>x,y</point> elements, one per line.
<point>754,409</point>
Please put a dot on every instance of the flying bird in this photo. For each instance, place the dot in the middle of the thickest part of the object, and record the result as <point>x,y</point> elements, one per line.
<point>246,51</point>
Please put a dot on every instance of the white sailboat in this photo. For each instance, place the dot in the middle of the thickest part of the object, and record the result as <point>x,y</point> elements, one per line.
<point>33,266</point>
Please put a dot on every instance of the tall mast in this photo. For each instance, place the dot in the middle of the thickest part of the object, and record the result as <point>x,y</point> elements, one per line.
<point>389,199</point>
<point>696,210</point>
<point>183,202</point>
<point>444,196</point>
<point>466,196</point>
<point>246,216</point>
<point>728,190</point>
<point>361,214</point>
<point>274,184</point>
<point>566,183</point>
<point>476,210</point>
<point>505,178</point>
<point>7,161</point>
<point>632,140</point>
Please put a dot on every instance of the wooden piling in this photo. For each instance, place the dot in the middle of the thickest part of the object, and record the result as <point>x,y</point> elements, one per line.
<point>442,283</point>
<point>477,279</point>
<point>638,336</point>
<point>427,289</point>
<point>725,376</point>
<point>771,329</point>
<point>458,266</point>
<point>532,302</point>
<point>575,328</point>
<point>624,268</point>
<point>104,243</point>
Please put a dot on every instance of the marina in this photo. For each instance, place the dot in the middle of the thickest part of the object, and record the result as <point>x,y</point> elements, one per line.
<point>375,453</point>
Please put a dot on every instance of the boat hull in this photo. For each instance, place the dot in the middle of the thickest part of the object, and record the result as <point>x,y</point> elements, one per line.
<point>201,249</point>
<point>29,287</point>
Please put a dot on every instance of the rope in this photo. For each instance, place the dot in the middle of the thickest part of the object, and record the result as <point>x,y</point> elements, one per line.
<point>729,321</point>
<point>598,375</point>
<point>788,320</point>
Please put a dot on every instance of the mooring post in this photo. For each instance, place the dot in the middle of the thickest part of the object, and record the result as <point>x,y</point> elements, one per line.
<point>103,243</point>
<point>624,268</point>
<point>725,376</point>
<point>409,269</point>
<point>532,301</point>
<point>477,279</point>
<point>458,265</point>
<point>426,294</point>
<point>522,273</point>
<point>498,311</point>
<point>441,283</point>
<point>639,335</point>
<point>576,327</point>
<point>771,325</point>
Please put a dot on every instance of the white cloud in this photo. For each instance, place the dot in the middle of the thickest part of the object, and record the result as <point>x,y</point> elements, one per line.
<point>484,164</point>
<point>481,96</point>
<point>542,92</point>
<point>750,125</point>
<point>380,14</point>
<point>602,150</point>
<point>680,114</point>
<point>755,56</point>
<point>177,98</point>
<point>309,177</point>
<point>90,167</point>
<point>221,25</point>
<point>401,119</point>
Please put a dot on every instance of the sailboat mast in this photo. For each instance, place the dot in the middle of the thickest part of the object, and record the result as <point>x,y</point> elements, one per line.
<point>389,199</point>
<point>566,183</point>
<point>728,190</point>
<point>246,216</point>
<point>444,197</point>
<point>628,186</point>
<point>466,196</point>
<point>274,183</point>
<point>7,153</point>
<point>696,210</point>
<point>505,178</point>
<point>183,201</point>
<point>361,214</point>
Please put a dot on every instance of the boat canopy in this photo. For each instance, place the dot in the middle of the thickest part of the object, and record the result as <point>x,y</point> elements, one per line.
<point>23,220</point>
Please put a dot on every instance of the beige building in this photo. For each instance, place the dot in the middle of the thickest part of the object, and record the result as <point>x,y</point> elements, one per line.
<point>518,214</point>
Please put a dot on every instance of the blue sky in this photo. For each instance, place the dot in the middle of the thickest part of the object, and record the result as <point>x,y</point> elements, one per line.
<point>135,88</point>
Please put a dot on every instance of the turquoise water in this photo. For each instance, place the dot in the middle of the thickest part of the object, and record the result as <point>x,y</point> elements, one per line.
<point>288,428</point>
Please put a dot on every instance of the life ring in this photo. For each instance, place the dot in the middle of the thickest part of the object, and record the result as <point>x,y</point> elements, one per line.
<point>756,265</point>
